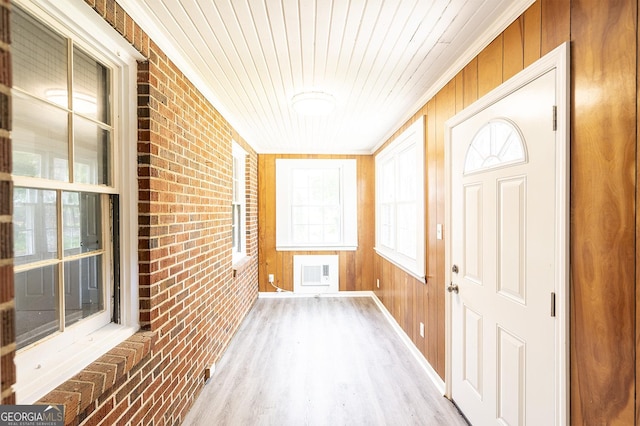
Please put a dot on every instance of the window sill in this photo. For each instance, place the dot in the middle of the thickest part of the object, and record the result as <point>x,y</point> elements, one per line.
<point>316,248</point>
<point>43,368</point>
<point>100,378</point>
<point>418,276</point>
<point>239,265</point>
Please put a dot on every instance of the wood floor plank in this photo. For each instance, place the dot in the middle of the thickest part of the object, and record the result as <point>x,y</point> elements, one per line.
<point>330,361</point>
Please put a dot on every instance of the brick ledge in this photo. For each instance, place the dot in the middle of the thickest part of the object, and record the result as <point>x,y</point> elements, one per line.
<point>94,382</point>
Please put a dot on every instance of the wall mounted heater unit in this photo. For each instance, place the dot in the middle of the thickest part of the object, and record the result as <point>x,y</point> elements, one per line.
<point>315,274</point>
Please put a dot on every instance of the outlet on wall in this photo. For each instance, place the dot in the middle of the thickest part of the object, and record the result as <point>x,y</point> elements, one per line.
<point>421,329</point>
<point>378,282</point>
<point>271,278</point>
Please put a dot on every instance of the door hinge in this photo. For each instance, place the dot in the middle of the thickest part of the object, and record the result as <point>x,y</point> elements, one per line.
<point>555,118</point>
<point>553,304</point>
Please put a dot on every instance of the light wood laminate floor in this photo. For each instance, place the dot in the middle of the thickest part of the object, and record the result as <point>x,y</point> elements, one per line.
<point>319,361</point>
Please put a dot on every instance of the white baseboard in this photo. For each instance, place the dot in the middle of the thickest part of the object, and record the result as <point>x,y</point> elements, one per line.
<point>290,294</point>
<point>431,373</point>
<point>422,361</point>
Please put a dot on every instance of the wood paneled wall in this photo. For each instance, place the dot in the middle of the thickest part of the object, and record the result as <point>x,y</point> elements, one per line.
<point>604,224</point>
<point>603,211</point>
<point>356,267</point>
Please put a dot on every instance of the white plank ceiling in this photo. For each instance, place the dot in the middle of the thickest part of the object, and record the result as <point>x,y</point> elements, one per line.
<point>380,59</point>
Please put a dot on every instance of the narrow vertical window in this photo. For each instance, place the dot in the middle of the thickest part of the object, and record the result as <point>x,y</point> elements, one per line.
<point>400,235</point>
<point>238,210</point>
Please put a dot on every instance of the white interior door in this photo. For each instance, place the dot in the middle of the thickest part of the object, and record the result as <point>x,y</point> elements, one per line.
<point>504,259</point>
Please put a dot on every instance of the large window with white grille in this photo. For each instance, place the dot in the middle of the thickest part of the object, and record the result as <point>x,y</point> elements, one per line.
<point>62,154</point>
<point>316,204</point>
<point>74,257</point>
<point>400,235</point>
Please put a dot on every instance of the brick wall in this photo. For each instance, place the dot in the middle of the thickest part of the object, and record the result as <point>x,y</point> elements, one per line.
<point>191,299</point>
<point>7,335</point>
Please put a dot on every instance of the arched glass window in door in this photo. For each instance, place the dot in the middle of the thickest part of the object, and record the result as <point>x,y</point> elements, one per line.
<point>497,143</point>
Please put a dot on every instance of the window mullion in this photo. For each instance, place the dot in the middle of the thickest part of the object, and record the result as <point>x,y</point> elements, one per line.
<point>60,225</point>
<point>70,121</point>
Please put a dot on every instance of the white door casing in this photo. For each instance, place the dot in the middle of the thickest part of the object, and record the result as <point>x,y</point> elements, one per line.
<point>507,357</point>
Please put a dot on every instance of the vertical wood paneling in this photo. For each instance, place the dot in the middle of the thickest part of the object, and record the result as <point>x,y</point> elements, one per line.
<point>266,221</point>
<point>637,306</point>
<point>470,82</point>
<point>419,296</point>
<point>603,198</point>
<point>490,67</point>
<point>432,246</point>
<point>555,19</point>
<point>532,34</point>
<point>459,79</point>
<point>356,267</point>
<point>366,237</point>
<point>445,109</point>
<point>513,48</point>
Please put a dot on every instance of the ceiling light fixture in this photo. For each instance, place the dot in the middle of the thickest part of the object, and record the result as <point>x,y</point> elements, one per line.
<point>313,103</point>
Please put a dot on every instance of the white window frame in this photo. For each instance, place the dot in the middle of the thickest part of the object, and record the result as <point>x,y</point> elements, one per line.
<point>43,366</point>
<point>411,139</point>
<point>239,198</point>
<point>348,200</point>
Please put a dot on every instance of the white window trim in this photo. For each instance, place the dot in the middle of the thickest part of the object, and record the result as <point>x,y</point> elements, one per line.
<point>44,365</point>
<point>414,135</point>
<point>241,155</point>
<point>348,168</point>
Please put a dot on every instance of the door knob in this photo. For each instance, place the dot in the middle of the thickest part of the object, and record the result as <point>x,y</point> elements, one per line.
<point>453,288</point>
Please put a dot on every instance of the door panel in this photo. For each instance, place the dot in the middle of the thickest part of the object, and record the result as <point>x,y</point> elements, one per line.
<point>473,350</point>
<point>511,238</point>
<point>473,233</point>
<point>511,377</point>
<point>502,236</point>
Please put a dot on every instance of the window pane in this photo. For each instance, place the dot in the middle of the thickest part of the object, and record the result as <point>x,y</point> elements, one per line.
<point>34,225</point>
<point>497,143</point>
<point>83,288</point>
<point>237,228</point>
<point>300,215</point>
<point>39,59</point>
<point>82,222</point>
<point>300,234</point>
<point>40,139</point>
<point>407,175</point>
<point>316,234</point>
<point>36,301</point>
<point>332,186</point>
<point>90,87</point>
<point>91,152</point>
<point>406,229</point>
<point>300,195</point>
<point>388,181</point>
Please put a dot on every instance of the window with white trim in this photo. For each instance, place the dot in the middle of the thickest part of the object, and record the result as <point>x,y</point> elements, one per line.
<point>238,223</point>
<point>400,235</point>
<point>316,204</point>
<point>71,170</point>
